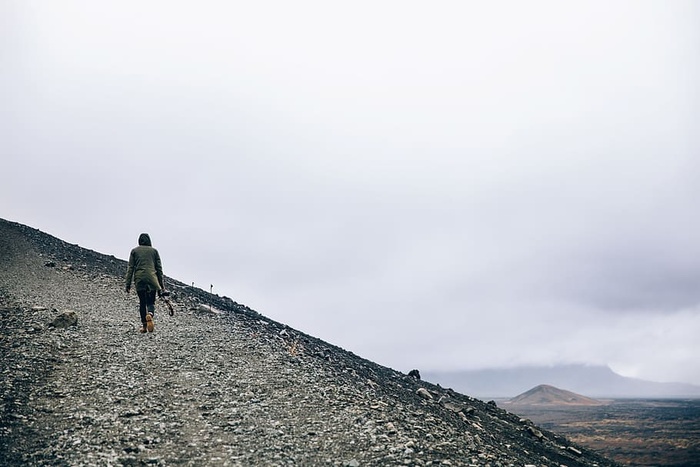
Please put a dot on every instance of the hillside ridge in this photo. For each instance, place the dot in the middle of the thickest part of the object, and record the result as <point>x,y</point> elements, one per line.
<point>548,395</point>
<point>216,384</point>
<point>592,380</point>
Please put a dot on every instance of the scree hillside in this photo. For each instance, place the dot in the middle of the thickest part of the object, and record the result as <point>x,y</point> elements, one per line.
<point>217,384</point>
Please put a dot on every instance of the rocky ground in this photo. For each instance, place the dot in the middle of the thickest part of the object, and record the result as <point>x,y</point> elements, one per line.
<point>215,384</point>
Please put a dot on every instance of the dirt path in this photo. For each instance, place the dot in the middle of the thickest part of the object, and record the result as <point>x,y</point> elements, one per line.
<point>186,394</point>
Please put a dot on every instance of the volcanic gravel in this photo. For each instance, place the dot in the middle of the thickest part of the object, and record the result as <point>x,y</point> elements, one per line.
<point>216,384</point>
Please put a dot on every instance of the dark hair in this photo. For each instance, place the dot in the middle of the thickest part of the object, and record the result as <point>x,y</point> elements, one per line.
<point>144,239</point>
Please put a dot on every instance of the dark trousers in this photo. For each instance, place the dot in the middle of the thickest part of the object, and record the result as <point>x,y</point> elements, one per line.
<point>147,302</point>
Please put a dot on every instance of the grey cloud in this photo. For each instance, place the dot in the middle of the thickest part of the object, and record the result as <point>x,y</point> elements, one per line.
<point>450,172</point>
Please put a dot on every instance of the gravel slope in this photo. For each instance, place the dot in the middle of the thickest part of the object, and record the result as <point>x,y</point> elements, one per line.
<point>214,386</point>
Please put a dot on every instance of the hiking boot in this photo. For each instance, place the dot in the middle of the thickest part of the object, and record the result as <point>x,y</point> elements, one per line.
<point>149,322</point>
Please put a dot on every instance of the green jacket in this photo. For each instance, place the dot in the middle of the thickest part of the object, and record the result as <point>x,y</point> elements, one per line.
<point>145,268</point>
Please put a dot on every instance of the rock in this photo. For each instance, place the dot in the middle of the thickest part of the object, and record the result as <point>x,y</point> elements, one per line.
<point>535,432</point>
<point>414,374</point>
<point>424,393</point>
<point>50,264</point>
<point>456,408</point>
<point>205,309</point>
<point>574,450</point>
<point>64,320</point>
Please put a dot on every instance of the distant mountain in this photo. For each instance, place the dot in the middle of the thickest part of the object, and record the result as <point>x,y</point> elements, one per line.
<point>594,381</point>
<point>544,394</point>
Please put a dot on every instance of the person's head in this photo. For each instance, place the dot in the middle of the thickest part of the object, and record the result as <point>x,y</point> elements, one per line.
<point>144,239</point>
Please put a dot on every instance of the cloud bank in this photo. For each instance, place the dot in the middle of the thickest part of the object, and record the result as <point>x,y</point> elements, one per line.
<point>445,186</point>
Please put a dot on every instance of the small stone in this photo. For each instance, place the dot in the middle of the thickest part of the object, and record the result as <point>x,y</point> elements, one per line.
<point>64,320</point>
<point>424,393</point>
<point>205,309</point>
<point>535,432</point>
<point>574,450</point>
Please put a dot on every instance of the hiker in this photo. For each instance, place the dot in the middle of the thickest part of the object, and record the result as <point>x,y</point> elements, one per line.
<point>146,271</point>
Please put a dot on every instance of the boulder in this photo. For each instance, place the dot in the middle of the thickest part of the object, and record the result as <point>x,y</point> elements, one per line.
<point>414,374</point>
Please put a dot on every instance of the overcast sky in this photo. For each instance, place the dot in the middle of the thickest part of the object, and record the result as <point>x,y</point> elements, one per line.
<point>432,185</point>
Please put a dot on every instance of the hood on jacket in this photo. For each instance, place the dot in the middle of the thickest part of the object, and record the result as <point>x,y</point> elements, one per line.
<point>144,239</point>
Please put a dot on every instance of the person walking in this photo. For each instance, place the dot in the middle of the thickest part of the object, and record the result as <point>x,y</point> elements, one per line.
<point>146,272</point>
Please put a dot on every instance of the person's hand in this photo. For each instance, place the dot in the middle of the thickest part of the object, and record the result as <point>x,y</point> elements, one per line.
<point>128,288</point>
